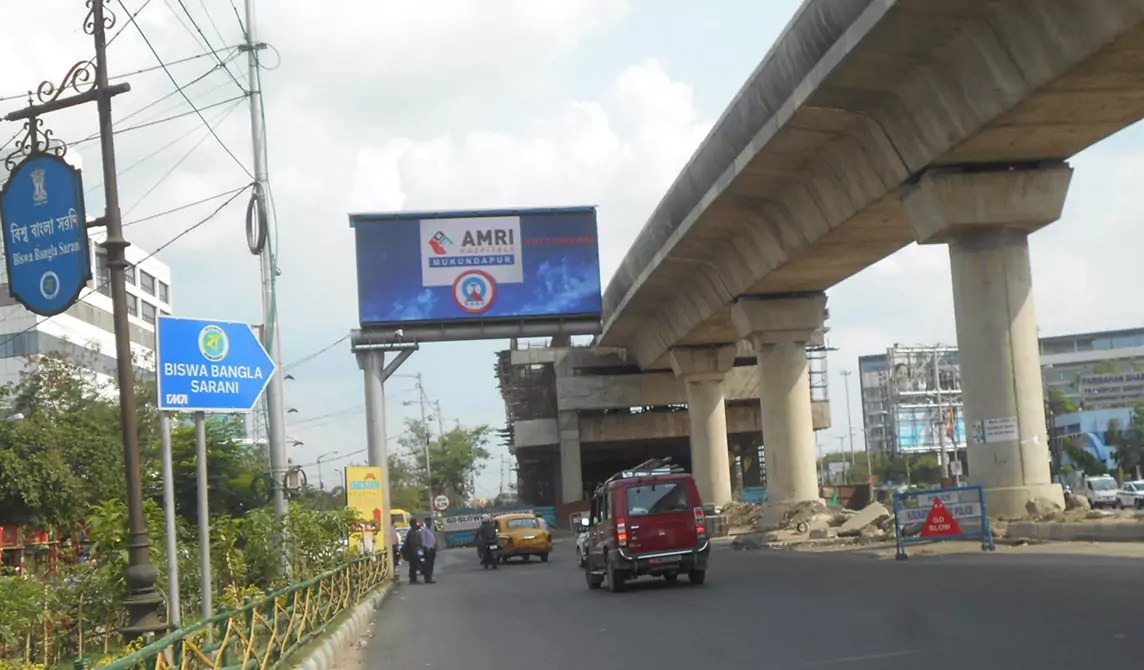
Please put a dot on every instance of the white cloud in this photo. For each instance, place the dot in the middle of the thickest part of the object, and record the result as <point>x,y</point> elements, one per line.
<point>455,104</point>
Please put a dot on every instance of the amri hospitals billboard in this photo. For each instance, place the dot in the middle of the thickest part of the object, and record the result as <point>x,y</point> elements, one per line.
<point>504,264</point>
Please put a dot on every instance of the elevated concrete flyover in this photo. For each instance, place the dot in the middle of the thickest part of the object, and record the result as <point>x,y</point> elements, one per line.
<point>870,125</point>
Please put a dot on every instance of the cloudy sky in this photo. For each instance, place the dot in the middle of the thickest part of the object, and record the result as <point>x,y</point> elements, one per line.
<point>378,105</point>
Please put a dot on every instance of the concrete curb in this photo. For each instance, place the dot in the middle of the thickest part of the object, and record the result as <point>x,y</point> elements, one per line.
<point>323,657</point>
<point>1081,531</point>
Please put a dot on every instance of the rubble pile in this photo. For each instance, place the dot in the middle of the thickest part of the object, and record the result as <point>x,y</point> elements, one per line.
<point>741,516</point>
<point>782,524</point>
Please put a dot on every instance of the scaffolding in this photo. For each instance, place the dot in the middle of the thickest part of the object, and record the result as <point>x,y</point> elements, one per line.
<point>923,385</point>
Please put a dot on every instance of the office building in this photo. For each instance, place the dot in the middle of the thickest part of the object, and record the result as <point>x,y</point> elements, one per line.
<point>905,410</point>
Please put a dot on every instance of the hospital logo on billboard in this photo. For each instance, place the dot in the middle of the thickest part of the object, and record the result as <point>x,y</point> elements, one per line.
<point>440,243</point>
<point>474,291</point>
<point>451,247</point>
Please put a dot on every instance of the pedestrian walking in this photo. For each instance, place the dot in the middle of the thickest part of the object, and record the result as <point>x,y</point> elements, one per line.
<point>411,549</point>
<point>429,544</point>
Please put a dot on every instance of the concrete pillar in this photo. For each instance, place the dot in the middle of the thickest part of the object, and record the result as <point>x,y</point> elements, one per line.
<point>571,472</point>
<point>986,218</point>
<point>780,329</point>
<point>702,371</point>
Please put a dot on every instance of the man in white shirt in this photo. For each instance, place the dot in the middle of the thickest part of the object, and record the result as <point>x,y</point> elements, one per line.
<point>429,543</point>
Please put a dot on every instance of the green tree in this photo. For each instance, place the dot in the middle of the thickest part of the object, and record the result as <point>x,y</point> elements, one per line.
<point>455,458</point>
<point>1060,403</point>
<point>1085,462</point>
<point>1130,444</point>
<point>59,447</point>
<point>1106,368</point>
<point>233,466</point>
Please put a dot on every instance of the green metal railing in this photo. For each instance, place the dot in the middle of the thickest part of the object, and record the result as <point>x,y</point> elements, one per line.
<point>261,633</point>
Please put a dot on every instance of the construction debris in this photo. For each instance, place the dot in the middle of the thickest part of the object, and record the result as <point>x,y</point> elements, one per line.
<point>873,514</point>
<point>741,516</point>
<point>1042,508</point>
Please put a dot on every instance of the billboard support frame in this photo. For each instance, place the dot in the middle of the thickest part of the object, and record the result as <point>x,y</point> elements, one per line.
<point>368,336</point>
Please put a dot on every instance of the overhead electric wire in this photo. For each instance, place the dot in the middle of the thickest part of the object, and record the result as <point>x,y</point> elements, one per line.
<point>179,18</point>
<point>145,70</point>
<point>181,92</point>
<point>214,68</point>
<point>161,149</point>
<point>310,357</point>
<point>148,124</point>
<point>165,245</point>
<point>180,208</point>
<point>194,23</point>
<point>179,162</point>
<point>120,31</point>
<point>331,415</point>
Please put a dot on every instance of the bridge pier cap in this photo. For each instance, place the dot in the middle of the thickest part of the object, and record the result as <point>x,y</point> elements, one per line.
<point>780,327</point>
<point>985,217</point>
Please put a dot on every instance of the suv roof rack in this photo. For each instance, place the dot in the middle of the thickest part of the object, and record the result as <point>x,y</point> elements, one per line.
<point>650,467</point>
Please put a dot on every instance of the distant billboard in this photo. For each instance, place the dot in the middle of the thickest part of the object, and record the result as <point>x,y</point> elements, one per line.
<point>481,265</point>
<point>918,429</point>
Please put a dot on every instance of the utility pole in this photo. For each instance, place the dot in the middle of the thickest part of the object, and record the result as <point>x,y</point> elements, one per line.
<point>425,425</point>
<point>261,245</point>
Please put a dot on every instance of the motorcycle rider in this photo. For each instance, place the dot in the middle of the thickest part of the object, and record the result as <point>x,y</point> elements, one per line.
<point>486,535</point>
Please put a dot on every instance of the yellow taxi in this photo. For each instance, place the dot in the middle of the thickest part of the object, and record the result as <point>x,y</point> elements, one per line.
<point>523,535</point>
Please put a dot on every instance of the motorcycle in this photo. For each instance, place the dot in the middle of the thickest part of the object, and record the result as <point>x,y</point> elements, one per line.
<point>491,556</point>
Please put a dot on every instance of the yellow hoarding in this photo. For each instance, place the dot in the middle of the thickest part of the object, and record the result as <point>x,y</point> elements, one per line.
<point>365,494</point>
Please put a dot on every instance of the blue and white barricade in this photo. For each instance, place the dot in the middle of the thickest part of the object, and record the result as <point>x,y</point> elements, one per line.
<point>943,514</point>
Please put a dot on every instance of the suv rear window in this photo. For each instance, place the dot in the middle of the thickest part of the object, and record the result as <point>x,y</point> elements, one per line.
<point>659,498</point>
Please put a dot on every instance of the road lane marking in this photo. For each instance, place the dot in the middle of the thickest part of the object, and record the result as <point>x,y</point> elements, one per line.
<point>868,657</point>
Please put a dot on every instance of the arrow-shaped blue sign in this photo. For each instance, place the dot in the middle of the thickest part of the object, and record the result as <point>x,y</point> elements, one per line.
<point>209,366</point>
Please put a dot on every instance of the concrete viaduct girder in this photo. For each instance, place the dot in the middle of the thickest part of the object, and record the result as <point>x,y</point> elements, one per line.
<point>800,185</point>
<point>796,187</point>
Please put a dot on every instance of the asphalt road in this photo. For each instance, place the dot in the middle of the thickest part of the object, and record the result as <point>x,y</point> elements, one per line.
<point>772,610</point>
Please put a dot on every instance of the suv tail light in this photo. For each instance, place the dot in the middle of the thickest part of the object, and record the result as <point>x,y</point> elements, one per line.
<point>700,524</point>
<point>621,532</point>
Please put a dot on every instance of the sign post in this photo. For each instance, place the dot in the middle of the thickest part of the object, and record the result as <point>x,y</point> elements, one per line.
<point>942,514</point>
<point>206,366</point>
<point>441,503</point>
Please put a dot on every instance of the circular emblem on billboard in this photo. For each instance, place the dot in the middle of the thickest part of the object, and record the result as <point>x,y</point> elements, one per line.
<point>50,285</point>
<point>213,343</point>
<point>474,291</point>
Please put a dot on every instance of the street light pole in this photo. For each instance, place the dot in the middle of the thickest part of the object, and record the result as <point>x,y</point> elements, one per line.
<point>849,415</point>
<point>321,484</point>
<point>143,600</point>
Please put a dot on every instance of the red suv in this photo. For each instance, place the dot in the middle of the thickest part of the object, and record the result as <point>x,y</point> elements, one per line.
<point>646,521</point>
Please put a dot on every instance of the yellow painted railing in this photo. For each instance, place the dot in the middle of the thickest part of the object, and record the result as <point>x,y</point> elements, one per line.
<point>261,633</point>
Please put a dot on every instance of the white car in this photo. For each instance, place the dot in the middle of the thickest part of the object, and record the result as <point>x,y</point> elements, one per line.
<point>1131,495</point>
<point>1100,491</point>
<point>581,541</point>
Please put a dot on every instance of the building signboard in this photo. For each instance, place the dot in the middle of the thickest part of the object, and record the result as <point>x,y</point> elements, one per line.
<point>365,495</point>
<point>484,265</point>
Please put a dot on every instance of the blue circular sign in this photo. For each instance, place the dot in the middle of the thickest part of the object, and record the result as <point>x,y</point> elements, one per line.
<point>213,343</point>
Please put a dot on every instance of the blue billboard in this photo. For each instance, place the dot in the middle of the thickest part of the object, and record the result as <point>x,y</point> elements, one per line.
<point>482,265</point>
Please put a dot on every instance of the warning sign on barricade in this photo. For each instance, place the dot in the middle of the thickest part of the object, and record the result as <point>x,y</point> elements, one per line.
<point>941,514</point>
